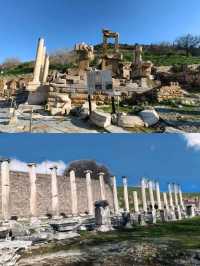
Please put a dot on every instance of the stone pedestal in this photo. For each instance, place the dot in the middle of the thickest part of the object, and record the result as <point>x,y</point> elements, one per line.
<point>5,189</point>
<point>102,216</point>
<point>33,195</point>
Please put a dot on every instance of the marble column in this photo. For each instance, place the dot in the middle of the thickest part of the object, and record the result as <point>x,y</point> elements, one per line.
<point>175,194</point>
<point>46,69</point>
<point>126,200</point>
<point>5,188</point>
<point>165,201</point>
<point>89,192</point>
<point>151,195</point>
<point>54,191</point>
<point>102,186</point>
<point>171,203</point>
<point>135,201</point>
<point>181,197</point>
<point>158,196</point>
<point>74,199</point>
<point>33,196</point>
<point>38,61</point>
<point>143,191</point>
<point>115,196</point>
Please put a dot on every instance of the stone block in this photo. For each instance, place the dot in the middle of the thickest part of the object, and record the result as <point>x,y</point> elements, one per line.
<point>130,121</point>
<point>150,117</point>
<point>101,119</point>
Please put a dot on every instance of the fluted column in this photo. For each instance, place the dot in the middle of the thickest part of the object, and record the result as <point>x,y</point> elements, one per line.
<point>89,192</point>
<point>74,199</point>
<point>165,201</point>
<point>46,69</point>
<point>151,195</point>
<point>135,201</point>
<point>181,197</point>
<point>115,196</point>
<point>33,195</point>
<point>143,191</point>
<point>158,196</point>
<point>171,203</point>
<point>102,186</point>
<point>5,186</point>
<point>126,200</point>
<point>54,191</point>
<point>175,195</point>
<point>38,61</point>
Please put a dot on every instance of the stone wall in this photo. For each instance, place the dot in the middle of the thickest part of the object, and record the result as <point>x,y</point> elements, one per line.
<point>20,194</point>
<point>173,91</point>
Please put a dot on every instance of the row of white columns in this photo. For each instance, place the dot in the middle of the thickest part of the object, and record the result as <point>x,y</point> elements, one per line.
<point>5,187</point>
<point>153,186</point>
<point>41,68</point>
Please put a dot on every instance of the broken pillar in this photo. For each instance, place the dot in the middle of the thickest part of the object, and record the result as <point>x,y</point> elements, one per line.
<point>74,199</point>
<point>33,195</point>
<point>126,200</point>
<point>54,191</point>
<point>115,196</point>
<point>102,216</point>
<point>89,192</point>
<point>5,188</point>
<point>102,186</point>
<point>143,191</point>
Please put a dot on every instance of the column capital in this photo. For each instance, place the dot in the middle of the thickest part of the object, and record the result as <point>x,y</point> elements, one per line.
<point>88,172</point>
<point>4,160</point>
<point>101,174</point>
<point>53,167</point>
<point>31,164</point>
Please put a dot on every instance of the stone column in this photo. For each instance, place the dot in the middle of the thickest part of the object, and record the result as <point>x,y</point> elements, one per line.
<point>115,196</point>
<point>38,61</point>
<point>5,188</point>
<point>89,192</point>
<point>102,186</point>
<point>126,200</point>
<point>170,197</point>
<point>74,199</point>
<point>181,197</point>
<point>175,194</point>
<point>33,196</point>
<point>143,191</point>
<point>158,196</point>
<point>135,201</point>
<point>54,191</point>
<point>46,69</point>
<point>151,195</point>
<point>165,201</point>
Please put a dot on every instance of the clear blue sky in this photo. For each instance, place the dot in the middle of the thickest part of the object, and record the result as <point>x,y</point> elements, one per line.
<point>64,22</point>
<point>163,157</point>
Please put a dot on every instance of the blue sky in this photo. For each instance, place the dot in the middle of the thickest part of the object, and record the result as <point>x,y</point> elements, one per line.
<point>64,22</point>
<point>170,157</point>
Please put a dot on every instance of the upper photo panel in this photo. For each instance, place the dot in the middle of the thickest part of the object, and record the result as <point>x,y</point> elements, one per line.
<point>100,66</point>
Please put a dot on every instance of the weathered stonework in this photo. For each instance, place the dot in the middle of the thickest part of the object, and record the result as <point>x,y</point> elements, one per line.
<point>20,191</point>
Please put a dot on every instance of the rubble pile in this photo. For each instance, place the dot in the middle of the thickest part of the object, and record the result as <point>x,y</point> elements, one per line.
<point>173,91</point>
<point>58,103</point>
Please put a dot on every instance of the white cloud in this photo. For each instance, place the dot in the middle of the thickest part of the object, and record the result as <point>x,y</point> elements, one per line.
<point>42,168</point>
<point>193,140</point>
